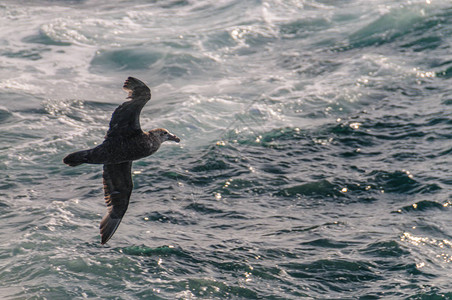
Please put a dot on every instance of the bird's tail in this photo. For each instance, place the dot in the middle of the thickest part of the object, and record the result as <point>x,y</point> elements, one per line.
<point>76,158</point>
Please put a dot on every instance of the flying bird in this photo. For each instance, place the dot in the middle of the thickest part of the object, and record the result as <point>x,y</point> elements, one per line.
<point>124,142</point>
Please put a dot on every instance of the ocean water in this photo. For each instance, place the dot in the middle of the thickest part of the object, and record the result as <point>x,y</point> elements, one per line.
<point>314,163</point>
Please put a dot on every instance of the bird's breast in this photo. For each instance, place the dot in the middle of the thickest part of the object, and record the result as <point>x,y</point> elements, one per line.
<point>120,149</point>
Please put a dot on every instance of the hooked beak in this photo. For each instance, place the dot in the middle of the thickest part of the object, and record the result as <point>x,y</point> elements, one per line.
<point>172,137</point>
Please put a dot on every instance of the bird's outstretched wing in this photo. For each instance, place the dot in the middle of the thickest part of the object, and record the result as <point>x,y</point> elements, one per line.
<point>125,120</point>
<point>117,189</point>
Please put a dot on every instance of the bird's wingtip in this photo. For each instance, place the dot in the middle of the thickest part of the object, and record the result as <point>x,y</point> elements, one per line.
<point>108,227</point>
<point>132,85</point>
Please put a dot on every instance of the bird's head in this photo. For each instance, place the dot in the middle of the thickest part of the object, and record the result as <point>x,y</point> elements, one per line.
<point>164,135</point>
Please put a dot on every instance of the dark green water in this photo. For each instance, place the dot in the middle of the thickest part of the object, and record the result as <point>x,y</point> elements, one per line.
<point>314,163</point>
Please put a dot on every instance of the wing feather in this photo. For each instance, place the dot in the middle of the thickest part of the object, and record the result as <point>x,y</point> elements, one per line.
<point>118,186</point>
<point>126,117</point>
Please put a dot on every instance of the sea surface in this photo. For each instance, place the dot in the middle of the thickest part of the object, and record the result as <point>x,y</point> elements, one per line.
<point>315,156</point>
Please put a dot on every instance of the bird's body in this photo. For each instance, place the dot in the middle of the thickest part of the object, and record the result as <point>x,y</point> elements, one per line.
<point>121,149</point>
<point>117,149</point>
<point>124,143</point>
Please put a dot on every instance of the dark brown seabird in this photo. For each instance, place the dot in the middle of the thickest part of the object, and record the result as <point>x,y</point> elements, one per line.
<point>124,143</point>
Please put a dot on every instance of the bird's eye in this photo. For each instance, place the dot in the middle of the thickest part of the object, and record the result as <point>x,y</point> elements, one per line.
<point>165,132</point>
